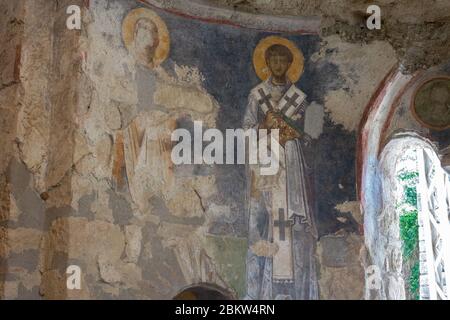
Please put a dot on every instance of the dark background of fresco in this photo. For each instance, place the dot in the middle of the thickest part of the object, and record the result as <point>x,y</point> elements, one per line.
<point>223,54</point>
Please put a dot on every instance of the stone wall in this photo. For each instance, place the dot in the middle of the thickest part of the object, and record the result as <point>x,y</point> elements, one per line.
<point>418,34</point>
<point>42,90</point>
<point>69,197</point>
<point>12,32</point>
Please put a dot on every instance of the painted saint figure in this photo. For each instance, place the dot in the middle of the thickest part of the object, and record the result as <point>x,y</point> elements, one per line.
<point>282,232</point>
<point>146,37</point>
<point>146,41</point>
<point>142,146</point>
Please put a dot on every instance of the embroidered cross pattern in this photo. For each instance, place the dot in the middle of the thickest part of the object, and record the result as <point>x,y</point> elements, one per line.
<point>265,99</point>
<point>290,101</point>
<point>281,224</point>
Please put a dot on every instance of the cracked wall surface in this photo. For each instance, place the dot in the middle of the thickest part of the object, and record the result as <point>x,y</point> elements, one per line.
<point>417,31</point>
<point>38,145</point>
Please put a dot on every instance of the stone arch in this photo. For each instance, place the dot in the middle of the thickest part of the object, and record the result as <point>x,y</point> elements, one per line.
<point>203,291</point>
<point>387,244</point>
<point>386,117</point>
<point>204,11</point>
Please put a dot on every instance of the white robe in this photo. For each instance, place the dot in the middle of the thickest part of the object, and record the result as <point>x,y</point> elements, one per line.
<point>290,270</point>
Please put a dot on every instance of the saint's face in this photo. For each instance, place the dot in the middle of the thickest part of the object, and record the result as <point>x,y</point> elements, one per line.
<point>278,65</point>
<point>146,40</point>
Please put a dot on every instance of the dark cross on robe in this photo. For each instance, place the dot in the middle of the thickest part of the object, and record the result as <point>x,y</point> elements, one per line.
<point>301,108</point>
<point>281,223</point>
<point>265,99</point>
<point>291,101</point>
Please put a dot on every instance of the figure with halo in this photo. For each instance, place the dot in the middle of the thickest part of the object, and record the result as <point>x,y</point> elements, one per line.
<point>282,230</point>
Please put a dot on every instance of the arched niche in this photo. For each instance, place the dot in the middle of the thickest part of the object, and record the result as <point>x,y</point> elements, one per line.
<point>387,246</point>
<point>388,117</point>
<point>203,291</point>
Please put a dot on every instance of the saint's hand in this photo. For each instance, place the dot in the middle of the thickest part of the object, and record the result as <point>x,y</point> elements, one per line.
<point>272,121</point>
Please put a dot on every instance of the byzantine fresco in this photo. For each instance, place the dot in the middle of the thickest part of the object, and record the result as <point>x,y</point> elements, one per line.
<point>229,77</point>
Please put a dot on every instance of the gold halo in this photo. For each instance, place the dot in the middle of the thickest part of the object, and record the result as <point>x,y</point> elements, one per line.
<point>259,58</point>
<point>128,26</point>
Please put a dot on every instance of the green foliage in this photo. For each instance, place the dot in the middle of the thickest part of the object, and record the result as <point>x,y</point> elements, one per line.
<point>414,281</point>
<point>409,228</point>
